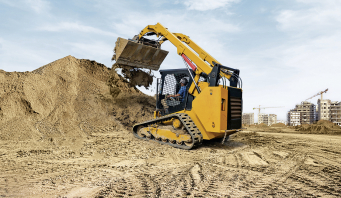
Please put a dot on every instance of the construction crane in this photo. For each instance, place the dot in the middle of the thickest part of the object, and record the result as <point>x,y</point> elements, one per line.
<point>319,93</point>
<point>259,108</point>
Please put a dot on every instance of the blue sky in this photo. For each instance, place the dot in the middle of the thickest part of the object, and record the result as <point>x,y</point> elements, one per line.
<point>286,50</point>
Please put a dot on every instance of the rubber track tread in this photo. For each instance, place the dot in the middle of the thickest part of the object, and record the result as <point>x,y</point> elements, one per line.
<point>186,121</point>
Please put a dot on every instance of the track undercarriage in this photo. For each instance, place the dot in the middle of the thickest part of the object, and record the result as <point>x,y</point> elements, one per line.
<point>182,133</point>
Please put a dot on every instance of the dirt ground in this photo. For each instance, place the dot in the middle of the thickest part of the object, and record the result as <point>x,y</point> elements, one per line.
<point>63,135</point>
<point>112,163</point>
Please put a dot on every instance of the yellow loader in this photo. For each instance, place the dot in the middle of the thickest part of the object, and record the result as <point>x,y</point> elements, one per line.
<point>192,104</point>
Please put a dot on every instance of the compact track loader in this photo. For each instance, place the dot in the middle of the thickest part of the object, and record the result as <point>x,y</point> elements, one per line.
<point>210,108</point>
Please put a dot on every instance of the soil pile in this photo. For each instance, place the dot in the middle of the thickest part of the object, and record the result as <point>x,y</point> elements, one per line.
<point>260,126</point>
<point>278,125</point>
<point>321,127</point>
<point>67,98</point>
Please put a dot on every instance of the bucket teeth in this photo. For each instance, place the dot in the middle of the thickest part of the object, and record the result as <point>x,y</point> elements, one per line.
<point>135,54</point>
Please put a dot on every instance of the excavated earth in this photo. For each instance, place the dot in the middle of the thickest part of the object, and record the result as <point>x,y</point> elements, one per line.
<point>63,134</point>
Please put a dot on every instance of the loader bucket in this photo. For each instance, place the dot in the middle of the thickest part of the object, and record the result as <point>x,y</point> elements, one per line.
<point>139,55</point>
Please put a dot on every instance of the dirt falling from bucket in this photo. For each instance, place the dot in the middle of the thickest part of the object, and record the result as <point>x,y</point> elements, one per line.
<point>136,76</point>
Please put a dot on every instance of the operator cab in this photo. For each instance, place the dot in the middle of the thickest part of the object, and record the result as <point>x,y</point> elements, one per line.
<point>169,84</point>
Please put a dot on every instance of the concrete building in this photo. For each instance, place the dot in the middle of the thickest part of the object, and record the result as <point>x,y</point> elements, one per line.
<point>328,110</point>
<point>272,119</point>
<point>294,118</point>
<point>317,114</point>
<point>305,112</point>
<point>323,107</point>
<point>335,112</point>
<point>267,119</point>
<point>263,118</point>
<point>248,118</point>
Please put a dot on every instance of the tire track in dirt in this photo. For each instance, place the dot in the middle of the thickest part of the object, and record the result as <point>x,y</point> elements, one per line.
<point>319,176</point>
<point>272,185</point>
<point>113,164</point>
<point>128,187</point>
<point>184,182</point>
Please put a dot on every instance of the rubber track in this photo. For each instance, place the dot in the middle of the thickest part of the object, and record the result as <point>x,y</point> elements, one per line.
<point>186,121</point>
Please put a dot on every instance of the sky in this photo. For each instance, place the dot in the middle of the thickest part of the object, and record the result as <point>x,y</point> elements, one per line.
<point>286,50</point>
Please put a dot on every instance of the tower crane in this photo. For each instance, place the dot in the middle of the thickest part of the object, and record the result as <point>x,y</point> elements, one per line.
<point>319,93</point>
<point>259,108</point>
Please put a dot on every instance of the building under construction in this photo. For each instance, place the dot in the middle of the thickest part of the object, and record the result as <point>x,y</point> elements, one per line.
<point>263,118</point>
<point>248,118</point>
<point>307,113</point>
<point>335,112</point>
<point>294,118</point>
<point>328,110</point>
<point>272,119</point>
<point>267,119</point>
<point>304,113</point>
<point>323,109</point>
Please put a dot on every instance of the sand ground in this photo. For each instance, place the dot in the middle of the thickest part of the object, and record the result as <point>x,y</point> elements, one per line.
<point>112,163</point>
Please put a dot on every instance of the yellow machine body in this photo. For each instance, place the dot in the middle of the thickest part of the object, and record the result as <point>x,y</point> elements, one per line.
<point>211,120</point>
<point>209,110</point>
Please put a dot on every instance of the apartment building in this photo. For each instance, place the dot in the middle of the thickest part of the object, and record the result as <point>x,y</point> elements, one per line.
<point>248,118</point>
<point>305,112</point>
<point>317,117</point>
<point>263,118</point>
<point>323,107</point>
<point>294,118</point>
<point>272,119</point>
<point>335,112</point>
<point>267,119</point>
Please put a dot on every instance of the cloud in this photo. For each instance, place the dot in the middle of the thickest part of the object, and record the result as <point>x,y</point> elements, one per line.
<point>192,28</point>
<point>320,16</point>
<point>190,24</point>
<point>98,50</point>
<point>72,26</point>
<point>204,5</point>
<point>305,61</point>
<point>314,36</point>
<point>38,6</point>
<point>16,56</point>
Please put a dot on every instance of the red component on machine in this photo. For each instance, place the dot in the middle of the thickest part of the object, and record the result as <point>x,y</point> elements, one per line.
<point>189,62</point>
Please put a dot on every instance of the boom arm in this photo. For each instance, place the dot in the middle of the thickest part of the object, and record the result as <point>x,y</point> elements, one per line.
<point>194,53</point>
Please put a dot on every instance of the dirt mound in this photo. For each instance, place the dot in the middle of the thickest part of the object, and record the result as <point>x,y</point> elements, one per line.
<point>326,123</point>
<point>321,127</point>
<point>279,125</point>
<point>130,109</point>
<point>67,98</point>
<point>261,125</point>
